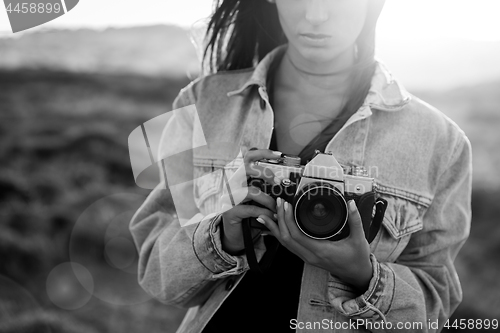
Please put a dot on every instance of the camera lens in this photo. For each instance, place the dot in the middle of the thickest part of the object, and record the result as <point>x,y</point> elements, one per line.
<point>320,210</point>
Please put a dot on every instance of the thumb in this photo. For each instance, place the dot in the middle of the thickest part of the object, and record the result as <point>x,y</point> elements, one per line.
<point>354,220</point>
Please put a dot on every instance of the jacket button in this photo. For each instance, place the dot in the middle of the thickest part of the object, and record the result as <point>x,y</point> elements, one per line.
<point>262,104</point>
<point>229,284</point>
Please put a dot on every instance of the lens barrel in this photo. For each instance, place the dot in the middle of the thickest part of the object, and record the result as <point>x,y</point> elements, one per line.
<point>320,210</point>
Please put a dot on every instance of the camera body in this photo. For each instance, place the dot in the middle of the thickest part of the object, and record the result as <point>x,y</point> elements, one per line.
<point>319,192</point>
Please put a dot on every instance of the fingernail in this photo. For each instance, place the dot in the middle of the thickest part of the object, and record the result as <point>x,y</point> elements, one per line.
<point>352,205</point>
<point>277,153</point>
<point>277,181</point>
<point>275,216</point>
<point>260,220</point>
<point>278,202</point>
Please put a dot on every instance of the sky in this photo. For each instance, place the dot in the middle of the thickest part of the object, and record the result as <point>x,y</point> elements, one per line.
<point>401,19</point>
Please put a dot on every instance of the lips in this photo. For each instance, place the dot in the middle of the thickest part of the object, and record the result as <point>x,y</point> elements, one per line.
<point>315,36</point>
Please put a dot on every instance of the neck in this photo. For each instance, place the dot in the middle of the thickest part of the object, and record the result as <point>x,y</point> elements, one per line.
<point>315,77</point>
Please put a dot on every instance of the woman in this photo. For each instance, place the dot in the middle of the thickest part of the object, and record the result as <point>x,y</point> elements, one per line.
<point>294,76</point>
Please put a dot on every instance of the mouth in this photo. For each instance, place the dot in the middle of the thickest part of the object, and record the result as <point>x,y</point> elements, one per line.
<point>315,37</point>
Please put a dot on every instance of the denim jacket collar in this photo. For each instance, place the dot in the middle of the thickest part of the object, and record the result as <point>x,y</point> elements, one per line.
<point>386,93</point>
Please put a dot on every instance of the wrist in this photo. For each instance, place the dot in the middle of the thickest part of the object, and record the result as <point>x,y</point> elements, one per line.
<point>361,281</point>
<point>358,277</point>
<point>229,247</point>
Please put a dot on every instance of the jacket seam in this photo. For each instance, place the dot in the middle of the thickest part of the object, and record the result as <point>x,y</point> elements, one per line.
<point>393,289</point>
<point>212,240</point>
<point>377,272</point>
<point>230,72</point>
<point>377,299</point>
<point>397,107</point>
<point>194,249</point>
<point>456,152</point>
<point>218,163</point>
<point>454,157</point>
<point>416,198</point>
<point>186,96</point>
<point>368,122</point>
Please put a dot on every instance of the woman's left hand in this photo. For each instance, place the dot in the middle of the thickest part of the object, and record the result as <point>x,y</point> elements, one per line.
<point>348,258</point>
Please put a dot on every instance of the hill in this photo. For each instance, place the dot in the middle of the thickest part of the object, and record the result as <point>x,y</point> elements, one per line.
<point>163,50</point>
<point>441,64</point>
<point>160,50</point>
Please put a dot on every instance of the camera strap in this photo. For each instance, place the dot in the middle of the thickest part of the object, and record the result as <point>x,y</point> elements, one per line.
<point>380,207</point>
<point>272,245</point>
<point>371,210</point>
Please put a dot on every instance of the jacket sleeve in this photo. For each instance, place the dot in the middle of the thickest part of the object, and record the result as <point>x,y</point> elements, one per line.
<point>179,265</point>
<point>422,285</point>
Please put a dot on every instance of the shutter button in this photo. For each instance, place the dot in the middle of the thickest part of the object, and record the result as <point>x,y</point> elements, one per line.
<point>229,284</point>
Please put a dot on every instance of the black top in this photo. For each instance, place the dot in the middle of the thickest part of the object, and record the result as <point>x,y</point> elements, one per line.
<point>262,302</point>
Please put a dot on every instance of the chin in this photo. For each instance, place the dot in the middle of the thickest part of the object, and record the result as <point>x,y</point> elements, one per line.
<point>324,53</point>
<point>319,55</point>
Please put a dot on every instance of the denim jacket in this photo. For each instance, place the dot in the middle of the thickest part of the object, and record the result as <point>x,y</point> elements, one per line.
<point>421,162</point>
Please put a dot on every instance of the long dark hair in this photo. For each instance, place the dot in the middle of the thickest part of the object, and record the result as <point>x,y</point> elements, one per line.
<point>241,32</point>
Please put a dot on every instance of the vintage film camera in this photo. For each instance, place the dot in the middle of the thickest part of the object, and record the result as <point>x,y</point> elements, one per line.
<point>319,192</point>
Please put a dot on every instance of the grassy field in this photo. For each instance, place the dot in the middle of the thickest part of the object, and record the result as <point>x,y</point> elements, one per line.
<point>63,140</point>
<point>63,150</point>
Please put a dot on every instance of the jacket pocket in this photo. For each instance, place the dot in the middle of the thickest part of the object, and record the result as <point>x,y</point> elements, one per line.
<point>210,177</point>
<point>403,217</point>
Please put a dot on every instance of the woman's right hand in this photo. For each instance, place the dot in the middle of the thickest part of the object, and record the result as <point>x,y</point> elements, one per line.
<point>232,239</point>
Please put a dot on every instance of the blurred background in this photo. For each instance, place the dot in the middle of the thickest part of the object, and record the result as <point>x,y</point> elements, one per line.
<point>72,90</point>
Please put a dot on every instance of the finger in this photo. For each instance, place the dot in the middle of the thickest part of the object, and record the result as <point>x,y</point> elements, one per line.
<point>287,222</point>
<point>261,198</point>
<point>289,219</point>
<point>285,218</point>
<point>299,240</point>
<point>230,200</point>
<point>257,171</point>
<point>355,223</point>
<point>233,198</point>
<point>270,224</point>
<point>241,212</point>
<point>254,155</point>
<point>274,230</point>
<point>261,172</point>
<point>237,180</point>
<point>280,208</point>
<point>239,177</point>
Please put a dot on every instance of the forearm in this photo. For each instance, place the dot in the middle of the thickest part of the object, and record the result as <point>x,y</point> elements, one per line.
<point>399,295</point>
<point>180,265</point>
